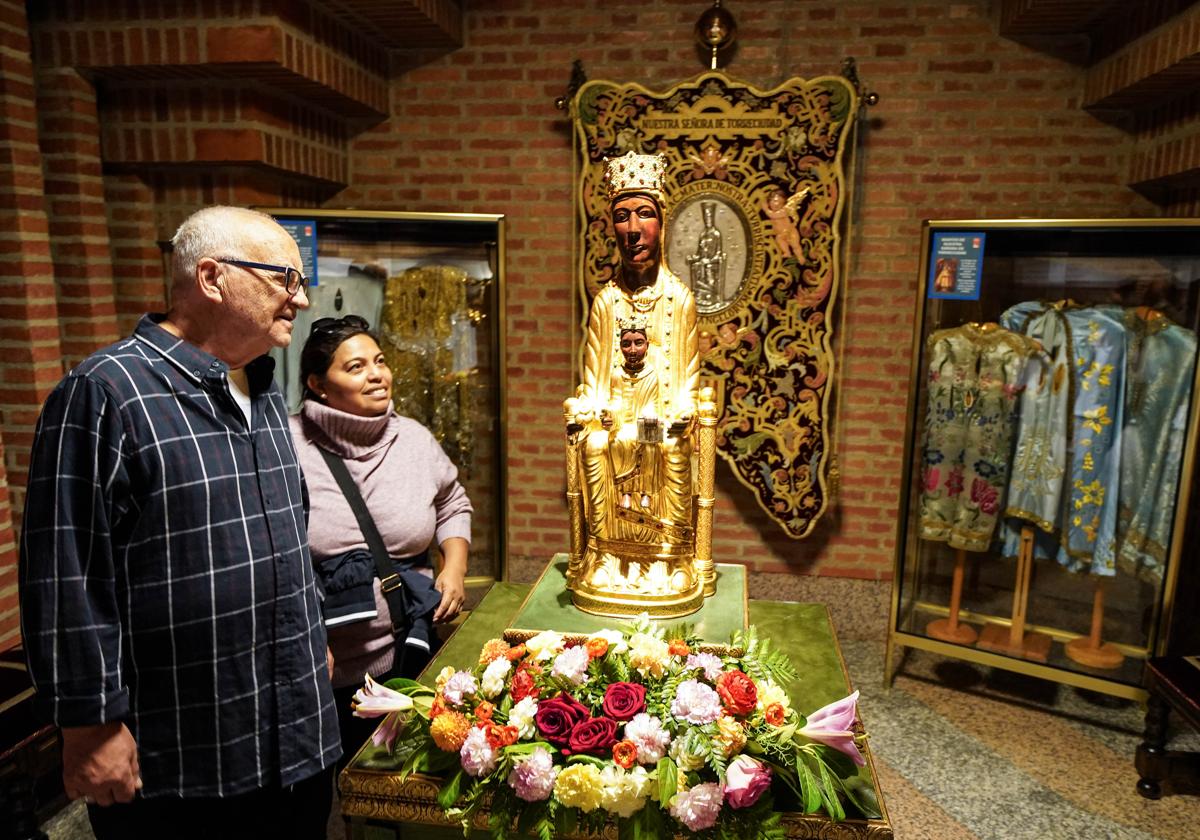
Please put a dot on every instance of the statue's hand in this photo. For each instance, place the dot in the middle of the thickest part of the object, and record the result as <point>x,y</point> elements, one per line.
<point>680,425</point>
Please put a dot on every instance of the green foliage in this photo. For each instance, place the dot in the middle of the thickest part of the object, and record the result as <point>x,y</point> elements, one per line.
<point>758,822</point>
<point>449,792</point>
<point>761,660</point>
<point>667,772</point>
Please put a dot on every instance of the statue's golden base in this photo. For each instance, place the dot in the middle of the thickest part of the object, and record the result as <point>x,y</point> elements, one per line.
<point>620,578</point>
<point>621,605</point>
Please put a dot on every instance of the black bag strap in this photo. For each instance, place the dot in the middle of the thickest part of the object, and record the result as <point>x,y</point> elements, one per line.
<point>390,580</point>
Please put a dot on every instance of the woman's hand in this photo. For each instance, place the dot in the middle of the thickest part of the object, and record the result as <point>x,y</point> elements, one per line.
<point>450,580</point>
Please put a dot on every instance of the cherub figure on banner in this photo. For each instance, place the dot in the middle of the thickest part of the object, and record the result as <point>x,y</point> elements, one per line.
<point>781,210</point>
<point>640,513</point>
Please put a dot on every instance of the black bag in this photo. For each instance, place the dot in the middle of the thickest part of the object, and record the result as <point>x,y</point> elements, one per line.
<point>410,595</point>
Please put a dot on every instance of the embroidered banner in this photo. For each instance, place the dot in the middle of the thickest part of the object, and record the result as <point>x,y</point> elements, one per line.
<point>756,192</point>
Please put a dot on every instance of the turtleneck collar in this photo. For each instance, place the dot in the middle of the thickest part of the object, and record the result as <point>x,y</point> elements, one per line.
<point>347,435</point>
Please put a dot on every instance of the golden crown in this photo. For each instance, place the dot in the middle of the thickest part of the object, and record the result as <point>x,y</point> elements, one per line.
<point>635,321</point>
<point>635,173</point>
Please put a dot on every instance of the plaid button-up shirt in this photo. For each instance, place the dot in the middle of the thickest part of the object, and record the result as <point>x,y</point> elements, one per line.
<point>165,574</point>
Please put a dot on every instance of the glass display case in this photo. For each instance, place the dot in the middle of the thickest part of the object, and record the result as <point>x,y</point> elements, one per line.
<point>1050,446</point>
<point>432,287</point>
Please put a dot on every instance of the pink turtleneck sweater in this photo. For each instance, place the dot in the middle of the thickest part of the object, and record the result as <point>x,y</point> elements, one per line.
<point>410,488</point>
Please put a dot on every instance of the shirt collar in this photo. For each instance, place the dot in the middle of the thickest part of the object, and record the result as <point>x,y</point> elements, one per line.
<point>202,368</point>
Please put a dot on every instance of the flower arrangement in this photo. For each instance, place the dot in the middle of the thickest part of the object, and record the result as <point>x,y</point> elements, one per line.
<point>560,735</point>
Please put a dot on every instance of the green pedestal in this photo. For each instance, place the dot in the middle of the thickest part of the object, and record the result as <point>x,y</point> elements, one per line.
<point>549,606</point>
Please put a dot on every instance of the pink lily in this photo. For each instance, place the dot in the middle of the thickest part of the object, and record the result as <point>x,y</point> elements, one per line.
<point>375,700</point>
<point>832,725</point>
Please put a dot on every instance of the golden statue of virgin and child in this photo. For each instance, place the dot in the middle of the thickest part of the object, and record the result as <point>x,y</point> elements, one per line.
<point>640,433</point>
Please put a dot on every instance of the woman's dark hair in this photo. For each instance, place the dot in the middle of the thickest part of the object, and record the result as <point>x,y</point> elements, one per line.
<point>324,338</point>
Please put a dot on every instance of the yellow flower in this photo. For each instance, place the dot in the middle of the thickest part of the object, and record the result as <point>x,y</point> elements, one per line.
<point>1097,419</point>
<point>579,786</point>
<point>443,677</point>
<point>769,692</point>
<point>730,735</point>
<point>449,730</point>
<point>648,654</point>
<point>1090,494</point>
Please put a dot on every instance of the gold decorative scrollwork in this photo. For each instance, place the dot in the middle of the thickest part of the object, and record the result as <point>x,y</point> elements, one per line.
<point>755,195</point>
<point>380,795</point>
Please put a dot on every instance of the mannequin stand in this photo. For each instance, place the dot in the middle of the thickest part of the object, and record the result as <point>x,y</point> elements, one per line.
<point>1090,650</point>
<point>948,629</point>
<point>1013,640</point>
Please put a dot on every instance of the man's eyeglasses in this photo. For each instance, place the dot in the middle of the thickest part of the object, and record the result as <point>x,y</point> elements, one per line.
<point>293,280</point>
<point>329,325</point>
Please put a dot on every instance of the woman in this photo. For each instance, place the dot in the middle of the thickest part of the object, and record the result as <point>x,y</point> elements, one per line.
<point>412,493</point>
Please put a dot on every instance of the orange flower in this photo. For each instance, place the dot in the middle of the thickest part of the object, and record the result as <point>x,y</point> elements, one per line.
<point>516,653</point>
<point>438,707</point>
<point>483,712</point>
<point>492,650</point>
<point>625,753</point>
<point>450,730</point>
<point>774,714</point>
<point>501,736</point>
<point>597,646</point>
<point>678,647</point>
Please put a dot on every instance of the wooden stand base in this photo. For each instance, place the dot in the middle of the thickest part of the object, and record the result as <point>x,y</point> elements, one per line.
<point>1084,651</point>
<point>1035,646</point>
<point>951,631</point>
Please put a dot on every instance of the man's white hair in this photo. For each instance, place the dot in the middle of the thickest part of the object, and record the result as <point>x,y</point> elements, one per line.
<point>218,231</point>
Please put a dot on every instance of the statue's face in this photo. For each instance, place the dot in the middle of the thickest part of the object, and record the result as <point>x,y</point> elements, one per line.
<point>633,348</point>
<point>638,225</point>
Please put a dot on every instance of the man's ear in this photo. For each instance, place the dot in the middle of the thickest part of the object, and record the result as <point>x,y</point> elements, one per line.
<point>209,280</point>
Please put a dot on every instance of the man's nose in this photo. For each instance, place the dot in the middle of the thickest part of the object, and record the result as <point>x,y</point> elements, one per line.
<point>300,298</point>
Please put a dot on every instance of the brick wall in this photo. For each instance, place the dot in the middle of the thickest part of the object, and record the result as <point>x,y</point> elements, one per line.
<point>969,125</point>
<point>99,143</point>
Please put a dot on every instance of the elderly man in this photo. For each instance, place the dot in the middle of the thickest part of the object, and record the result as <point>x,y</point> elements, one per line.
<point>168,604</point>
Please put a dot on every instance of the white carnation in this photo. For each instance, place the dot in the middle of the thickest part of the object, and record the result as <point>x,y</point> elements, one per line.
<point>572,664</point>
<point>545,645</point>
<point>521,716</point>
<point>492,682</point>
<point>624,792</point>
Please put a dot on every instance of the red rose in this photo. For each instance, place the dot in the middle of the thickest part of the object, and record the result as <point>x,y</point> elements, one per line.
<point>623,700</point>
<point>738,693</point>
<point>522,685</point>
<point>595,736</point>
<point>556,717</point>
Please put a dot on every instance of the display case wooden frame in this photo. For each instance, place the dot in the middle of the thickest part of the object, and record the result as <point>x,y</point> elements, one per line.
<point>370,250</point>
<point>1066,249</point>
